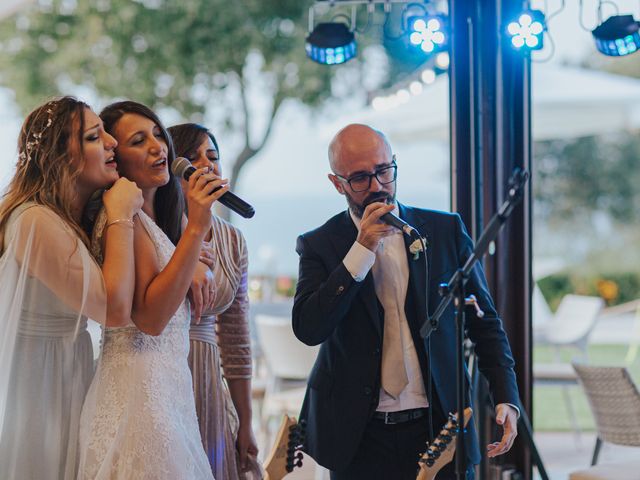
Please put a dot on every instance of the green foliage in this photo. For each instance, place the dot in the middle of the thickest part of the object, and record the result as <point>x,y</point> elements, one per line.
<point>614,287</point>
<point>160,52</point>
<point>573,178</point>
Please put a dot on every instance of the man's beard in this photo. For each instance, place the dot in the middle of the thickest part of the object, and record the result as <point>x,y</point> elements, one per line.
<point>358,210</point>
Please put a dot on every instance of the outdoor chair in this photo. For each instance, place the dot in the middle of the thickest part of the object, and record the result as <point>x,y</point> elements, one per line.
<point>569,328</point>
<point>615,404</point>
<point>573,323</point>
<point>288,362</point>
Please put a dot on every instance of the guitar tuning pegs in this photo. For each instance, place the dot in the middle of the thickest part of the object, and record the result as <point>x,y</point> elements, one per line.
<point>446,438</point>
<point>299,463</point>
<point>430,462</point>
<point>299,455</point>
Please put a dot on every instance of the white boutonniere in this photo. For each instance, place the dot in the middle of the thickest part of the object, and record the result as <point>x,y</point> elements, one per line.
<point>418,245</point>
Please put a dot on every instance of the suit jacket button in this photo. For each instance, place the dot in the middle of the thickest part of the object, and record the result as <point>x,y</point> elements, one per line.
<point>339,290</point>
<point>368,390</point>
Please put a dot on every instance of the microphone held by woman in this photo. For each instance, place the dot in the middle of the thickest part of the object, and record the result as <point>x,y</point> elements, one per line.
<point>182,168</point>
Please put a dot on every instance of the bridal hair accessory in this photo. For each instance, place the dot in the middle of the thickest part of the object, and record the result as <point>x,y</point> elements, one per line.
<point>25,155</point>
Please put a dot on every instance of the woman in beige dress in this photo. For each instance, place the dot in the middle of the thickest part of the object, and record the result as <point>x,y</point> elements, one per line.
<point>220,343</point>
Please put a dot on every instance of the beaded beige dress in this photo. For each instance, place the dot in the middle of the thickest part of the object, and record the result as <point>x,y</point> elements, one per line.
<point>220,347</point>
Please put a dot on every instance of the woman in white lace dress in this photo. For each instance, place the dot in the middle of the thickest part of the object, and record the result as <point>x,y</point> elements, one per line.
<point>50,284</point>
<point>139,419</point>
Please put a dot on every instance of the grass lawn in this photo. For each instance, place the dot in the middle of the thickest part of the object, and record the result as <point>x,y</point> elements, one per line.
<point>549,408</point>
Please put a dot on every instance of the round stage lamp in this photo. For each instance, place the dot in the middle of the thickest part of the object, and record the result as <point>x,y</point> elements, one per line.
<point>617,36</point>
<point>427,32</point>
<point>527,31</point>
<point>331,44</point>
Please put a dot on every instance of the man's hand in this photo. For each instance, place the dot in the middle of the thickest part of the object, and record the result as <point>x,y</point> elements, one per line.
<point>507,416</point>
<point>372,229</point>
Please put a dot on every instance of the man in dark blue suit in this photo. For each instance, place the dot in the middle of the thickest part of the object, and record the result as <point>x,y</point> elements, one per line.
<point>378,391</point>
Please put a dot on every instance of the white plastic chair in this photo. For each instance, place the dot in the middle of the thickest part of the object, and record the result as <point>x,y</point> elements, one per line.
<point>573,323</point>
<point>570,327</point>
<point>288,362</point>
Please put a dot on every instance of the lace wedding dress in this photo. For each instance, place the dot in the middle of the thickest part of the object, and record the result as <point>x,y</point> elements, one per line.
<point>139,419</point>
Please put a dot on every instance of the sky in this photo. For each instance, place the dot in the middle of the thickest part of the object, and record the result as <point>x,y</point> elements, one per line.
<point>287,181</point>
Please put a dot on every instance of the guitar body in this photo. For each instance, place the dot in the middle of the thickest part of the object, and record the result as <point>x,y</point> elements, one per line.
<point>441,451</point>
<point>285,454</point>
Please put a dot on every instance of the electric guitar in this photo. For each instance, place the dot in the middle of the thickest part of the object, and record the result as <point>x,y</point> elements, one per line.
<point>441,451</point>
<point>285,454</point>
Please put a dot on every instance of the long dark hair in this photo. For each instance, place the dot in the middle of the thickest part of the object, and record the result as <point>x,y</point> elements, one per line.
<point>168,204</point>
<point>187,137</point>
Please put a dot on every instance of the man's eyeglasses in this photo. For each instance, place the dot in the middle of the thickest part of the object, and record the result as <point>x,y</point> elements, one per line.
<point>362,181</point>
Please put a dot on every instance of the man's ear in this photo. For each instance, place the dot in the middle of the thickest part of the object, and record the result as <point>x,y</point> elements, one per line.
<point>336,183</point>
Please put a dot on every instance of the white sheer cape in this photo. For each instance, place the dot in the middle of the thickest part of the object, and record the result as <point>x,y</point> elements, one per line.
<point>50,284</point>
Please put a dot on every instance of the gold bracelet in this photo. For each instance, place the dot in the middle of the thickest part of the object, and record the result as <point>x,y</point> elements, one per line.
<point>123,221</point>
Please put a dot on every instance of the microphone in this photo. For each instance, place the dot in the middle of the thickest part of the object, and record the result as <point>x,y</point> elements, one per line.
<point>394,221</point>
<point>181,167</point>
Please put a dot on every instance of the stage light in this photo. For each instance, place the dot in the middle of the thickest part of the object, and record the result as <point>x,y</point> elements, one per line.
<point>428,76</point>
<point>527,31</point>
<point>415,88</point>
<point>442,60</point>
<point>617,36</point>
<point>331,44</point>
<point>427,32</point>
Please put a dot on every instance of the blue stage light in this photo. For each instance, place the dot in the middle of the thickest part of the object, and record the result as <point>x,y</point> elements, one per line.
<point>427,32</point>
<point>617,36</point>
<point>331,44</point>
<point>527,32</point>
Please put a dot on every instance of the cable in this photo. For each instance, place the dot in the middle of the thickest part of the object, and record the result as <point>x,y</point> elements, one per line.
<point>580,15</point>
<point>552,46</point>
<point>551,15</point>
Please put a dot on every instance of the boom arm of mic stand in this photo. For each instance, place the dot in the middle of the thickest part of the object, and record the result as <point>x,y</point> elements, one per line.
<point>516,186</point>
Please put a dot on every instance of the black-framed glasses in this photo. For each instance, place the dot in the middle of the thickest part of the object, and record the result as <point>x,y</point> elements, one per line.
<point>362,181</point>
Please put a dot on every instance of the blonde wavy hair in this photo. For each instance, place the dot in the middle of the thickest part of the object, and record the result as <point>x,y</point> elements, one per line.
<point>45,172</point>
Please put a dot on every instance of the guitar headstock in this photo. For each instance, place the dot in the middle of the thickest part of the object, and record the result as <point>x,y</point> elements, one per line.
<point>441,451</point>
<point>285,453</point>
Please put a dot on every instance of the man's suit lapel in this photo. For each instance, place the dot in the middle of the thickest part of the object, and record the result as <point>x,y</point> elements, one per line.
<point>418,275</point>
<point>342,239</point>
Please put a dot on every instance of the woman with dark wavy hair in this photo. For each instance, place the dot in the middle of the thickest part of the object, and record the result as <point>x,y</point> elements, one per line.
<point>51,284</point>
<point>139,420</point>
<point>224,414</point>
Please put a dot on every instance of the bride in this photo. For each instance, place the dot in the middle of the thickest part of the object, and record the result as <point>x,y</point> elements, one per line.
<point>139,419</point>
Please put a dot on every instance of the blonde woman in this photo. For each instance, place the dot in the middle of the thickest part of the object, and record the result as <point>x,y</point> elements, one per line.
<point>51,284</point>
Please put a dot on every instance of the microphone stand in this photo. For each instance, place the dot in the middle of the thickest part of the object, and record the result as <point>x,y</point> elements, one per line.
<point>454,291</point>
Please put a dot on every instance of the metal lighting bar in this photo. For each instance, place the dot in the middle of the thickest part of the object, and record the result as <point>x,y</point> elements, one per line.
<point>363,2</point>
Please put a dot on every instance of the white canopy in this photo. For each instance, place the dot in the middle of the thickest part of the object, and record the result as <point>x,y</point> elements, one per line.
<point>9,7</point>
<point>567,102</point>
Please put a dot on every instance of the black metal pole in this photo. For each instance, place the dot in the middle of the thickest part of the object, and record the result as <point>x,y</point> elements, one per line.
<point>461,457</point>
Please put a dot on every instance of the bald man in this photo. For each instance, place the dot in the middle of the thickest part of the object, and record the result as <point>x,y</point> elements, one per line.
<point>378,391</point>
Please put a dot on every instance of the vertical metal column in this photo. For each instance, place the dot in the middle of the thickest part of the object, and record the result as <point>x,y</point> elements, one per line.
<point>490,135</point>
<point>512,262</point>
